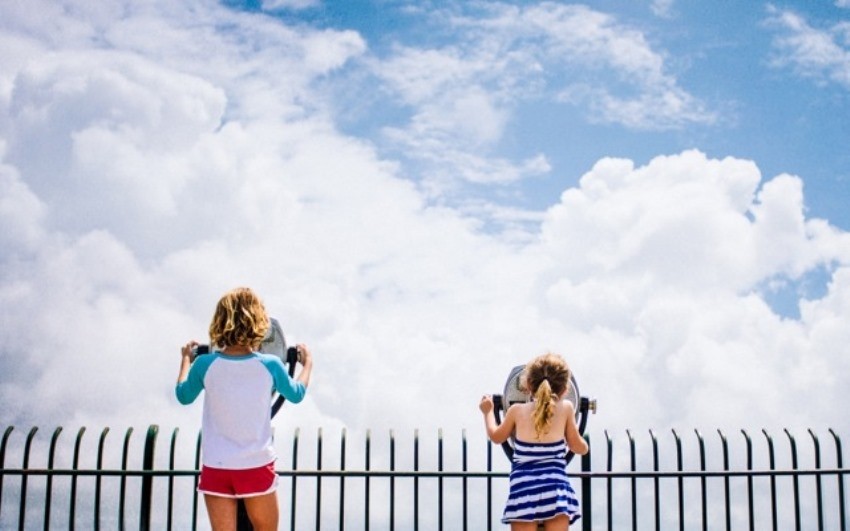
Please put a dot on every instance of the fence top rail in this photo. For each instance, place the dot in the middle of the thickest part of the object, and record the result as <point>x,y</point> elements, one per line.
<point>432,473</point>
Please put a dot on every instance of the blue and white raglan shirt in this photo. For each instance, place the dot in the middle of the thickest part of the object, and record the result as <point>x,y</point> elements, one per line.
<point>236,427</point>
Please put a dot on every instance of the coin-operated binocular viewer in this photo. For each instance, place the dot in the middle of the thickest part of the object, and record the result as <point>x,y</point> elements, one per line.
<point>516,393</point>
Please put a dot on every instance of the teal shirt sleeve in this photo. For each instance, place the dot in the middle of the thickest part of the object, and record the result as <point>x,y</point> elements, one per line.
<point>284,384</point>
<point>189,389</point>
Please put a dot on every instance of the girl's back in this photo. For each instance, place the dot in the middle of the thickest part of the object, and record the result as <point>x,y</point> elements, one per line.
<point>557,429</point>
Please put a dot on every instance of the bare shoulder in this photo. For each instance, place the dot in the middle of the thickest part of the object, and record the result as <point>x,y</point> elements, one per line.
<point>567,407</point>
<point>516,409</point>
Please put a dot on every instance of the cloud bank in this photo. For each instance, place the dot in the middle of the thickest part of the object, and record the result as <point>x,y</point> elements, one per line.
<point>143,177</point>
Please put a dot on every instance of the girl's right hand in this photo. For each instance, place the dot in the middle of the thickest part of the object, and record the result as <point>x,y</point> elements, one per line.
<point>486,404</point>
<point>186,350</point>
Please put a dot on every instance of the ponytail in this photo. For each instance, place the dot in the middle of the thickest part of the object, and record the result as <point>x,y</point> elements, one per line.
<point>544,407</point>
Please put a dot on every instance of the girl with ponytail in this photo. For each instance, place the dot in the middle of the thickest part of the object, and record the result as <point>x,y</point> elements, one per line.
<point>544,429</point>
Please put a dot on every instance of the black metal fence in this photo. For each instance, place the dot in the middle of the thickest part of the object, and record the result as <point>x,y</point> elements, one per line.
<point>648,480</point>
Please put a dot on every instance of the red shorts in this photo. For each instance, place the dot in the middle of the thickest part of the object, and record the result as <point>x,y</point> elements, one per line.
<point>242,483</point>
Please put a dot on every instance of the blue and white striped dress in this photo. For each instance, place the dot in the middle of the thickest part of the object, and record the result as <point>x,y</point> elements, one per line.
<point>539,487</point>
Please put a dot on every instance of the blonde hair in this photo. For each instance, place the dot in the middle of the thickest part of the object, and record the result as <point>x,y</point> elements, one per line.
<point>546,377</point>
<point>240,319</point>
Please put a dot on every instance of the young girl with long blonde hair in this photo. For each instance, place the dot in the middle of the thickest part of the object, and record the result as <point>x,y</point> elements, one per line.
<point>545,428</point>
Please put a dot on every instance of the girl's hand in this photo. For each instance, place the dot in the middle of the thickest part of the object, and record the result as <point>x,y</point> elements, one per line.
<point>304,355</point>
<point>186,359</point>
<point>306,359</point>
<point>486,404</point>
<point>186,350</point>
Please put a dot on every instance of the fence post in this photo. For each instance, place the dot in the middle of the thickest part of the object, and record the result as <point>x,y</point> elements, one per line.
<point>147,479</point>
<point>72,512</point>
<point>656,482</point>
<point>3,460</point>
<point>123,478</point>
<point>633,456</point>
<point>839,463</point>
<point>818,488</point>
<point>24,477</point>
<point>795,481</point>
<point>49,490</point>
<point>586,516</point>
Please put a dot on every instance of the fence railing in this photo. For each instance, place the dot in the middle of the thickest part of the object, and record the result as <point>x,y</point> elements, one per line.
<point>648,480</point>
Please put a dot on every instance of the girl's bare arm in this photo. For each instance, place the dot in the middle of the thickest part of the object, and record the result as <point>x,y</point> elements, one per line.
<point>575,441</point>
<point>498,433</point>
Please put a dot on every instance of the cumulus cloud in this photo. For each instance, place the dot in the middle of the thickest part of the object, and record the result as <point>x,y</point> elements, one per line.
<point>660,264</point>
<point>136,188</point>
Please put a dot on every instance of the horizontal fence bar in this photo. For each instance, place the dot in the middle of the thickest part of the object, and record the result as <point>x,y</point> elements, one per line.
<point>427,474</point>
<point>639,481</point>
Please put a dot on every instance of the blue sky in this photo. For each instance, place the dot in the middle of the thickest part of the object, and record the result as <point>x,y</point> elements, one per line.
<point>429,194</point>
<point>760,88</point>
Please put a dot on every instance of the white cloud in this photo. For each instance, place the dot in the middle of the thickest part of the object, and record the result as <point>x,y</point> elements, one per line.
<point>578,43</point>
<point>821,54</point>
<point>664,258</point>
<point>289,4</point>
<point>662,8</point>
<point>137,187</point>
<point>465,94</point>
<point>21,212</point>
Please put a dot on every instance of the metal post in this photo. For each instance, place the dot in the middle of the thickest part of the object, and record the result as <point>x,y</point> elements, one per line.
<point>586,516</point>
<point>75,466</point>
<point>3,460</point>
<point>464,481</point>
<point>839,463</point>
<point>170,514</point>
<point>750,503</point>
<point>24,478</point>
<point>656,481</point>
<point>609,443</point>
<point>489,487</point>
<point>123,480</point>
<point>772,460</point>
<point>633,480</point>
<point>368,468</point>
<point>726,495</point>
<point>294,484</point>
<point>319,481</point>
<point>680,480</point>
<point>440,479</point>
<point>416,480</point>
<point>147,479</point>
<point>795,480</point>
<point>818,489</point>
<point>392,481</point>
<point>49,494</point>
<point>196,481</point>
<point>342,481</point>
<point>702,481</point>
